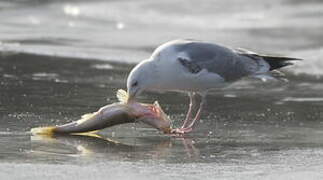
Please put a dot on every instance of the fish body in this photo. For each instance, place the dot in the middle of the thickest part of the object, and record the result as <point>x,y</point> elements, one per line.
<point>107,116</point>
<point>113,114</point>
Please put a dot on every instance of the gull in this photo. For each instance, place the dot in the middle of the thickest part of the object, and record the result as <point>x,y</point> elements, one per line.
<point>196,67</point>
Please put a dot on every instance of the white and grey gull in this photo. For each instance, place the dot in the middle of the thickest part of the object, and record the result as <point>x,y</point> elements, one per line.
<point>196,67</point>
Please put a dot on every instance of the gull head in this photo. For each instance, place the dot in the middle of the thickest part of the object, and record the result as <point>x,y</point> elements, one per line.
<point>141,78</point>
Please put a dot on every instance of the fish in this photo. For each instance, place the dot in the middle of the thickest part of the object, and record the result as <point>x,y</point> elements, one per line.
<point>124,111</point>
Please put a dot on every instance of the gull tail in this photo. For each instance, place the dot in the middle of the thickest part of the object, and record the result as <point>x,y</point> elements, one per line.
<point>50,130</point>
<point>276,62</point>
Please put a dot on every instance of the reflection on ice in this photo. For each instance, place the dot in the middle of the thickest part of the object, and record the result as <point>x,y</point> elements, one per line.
<point>71,10</point>
<point>34,20</point>
<point>120,25</point>
<point>102,66</point>
<point>93,145</point>
<point>303,99</point>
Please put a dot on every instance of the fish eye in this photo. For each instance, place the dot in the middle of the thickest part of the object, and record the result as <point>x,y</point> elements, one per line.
<point>134,84</point>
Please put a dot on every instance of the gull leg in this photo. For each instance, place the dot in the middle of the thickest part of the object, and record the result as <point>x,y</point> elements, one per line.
<point>198,114</point>
<point>190,109</point>
<point>189,123</point>
<point>188,119</point>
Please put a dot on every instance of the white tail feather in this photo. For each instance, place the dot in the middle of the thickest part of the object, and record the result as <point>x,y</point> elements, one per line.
<point>271,76</point>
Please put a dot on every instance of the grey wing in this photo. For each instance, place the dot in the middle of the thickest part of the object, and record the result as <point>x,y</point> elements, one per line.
<point>229,64</point>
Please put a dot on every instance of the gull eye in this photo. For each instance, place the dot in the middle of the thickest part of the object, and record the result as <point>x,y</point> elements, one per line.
<point>134,84</point>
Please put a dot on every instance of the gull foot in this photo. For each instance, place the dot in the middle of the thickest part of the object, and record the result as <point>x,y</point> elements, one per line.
<point>180,131</point>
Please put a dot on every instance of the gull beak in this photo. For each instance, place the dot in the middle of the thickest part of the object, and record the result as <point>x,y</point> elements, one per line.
<point>130,98</point>
<point>132,95</point>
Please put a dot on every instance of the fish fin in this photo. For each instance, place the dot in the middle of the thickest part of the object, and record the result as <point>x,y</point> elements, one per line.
<point>43,130</point>
<point>85,117</point>
<point>156,104</point>
<point>122,96</point>
<point>88,115</point>
<point>89,133</point>
<point>161,112</point>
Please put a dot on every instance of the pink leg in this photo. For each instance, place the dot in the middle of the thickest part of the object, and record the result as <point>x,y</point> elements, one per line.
<point>198,114</point>
<point>188,128</point>
<point>190,109</point>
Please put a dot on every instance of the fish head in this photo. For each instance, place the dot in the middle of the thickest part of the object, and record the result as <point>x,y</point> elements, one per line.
<point>157,119</point>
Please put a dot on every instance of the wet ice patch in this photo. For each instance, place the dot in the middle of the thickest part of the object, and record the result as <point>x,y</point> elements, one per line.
<point>9,76</point>
<point>312,63</point>
<point>303,99</point>
<point>44,76</point>
<point>47,76</point>
<point>120,25</point>
<point>71,10</point>
<point>230,95</point>
<point>102,66</point>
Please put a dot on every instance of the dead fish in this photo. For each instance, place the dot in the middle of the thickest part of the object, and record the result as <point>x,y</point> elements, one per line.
<point>117,113</point>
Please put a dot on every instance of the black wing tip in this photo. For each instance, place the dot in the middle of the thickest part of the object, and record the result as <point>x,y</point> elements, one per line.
<point>291,59</point>
<point>280,58</point>
<point>279,64</point>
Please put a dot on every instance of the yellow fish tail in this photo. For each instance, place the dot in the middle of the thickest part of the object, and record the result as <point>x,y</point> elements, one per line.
<point>43,130</point>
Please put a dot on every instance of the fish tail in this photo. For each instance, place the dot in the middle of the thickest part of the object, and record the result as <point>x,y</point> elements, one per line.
<point>50,130</point>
